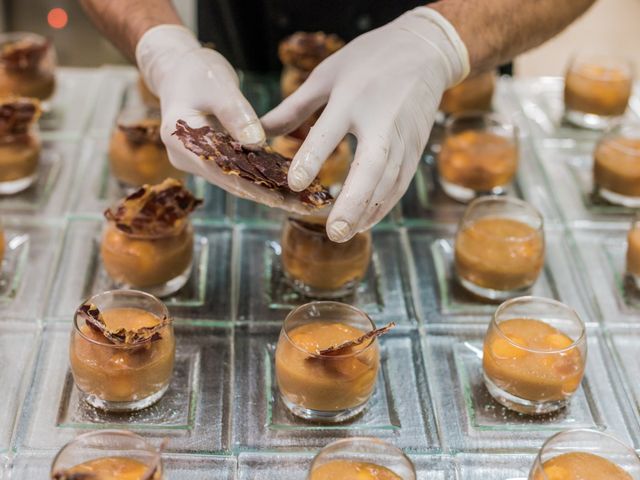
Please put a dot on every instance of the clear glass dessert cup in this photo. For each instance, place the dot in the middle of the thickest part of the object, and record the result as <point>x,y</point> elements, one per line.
<point>588,454</point>
<point>326,387</point>
<point>479,155</point>
<point>159,265</point>
<point>123,377</point>
<point>27,66</point>
<point>534,355</point>
<point>597,89</point>
<point>361,457</point>
<point>499,248</point>
<point>319,268</point>
<point>108,454</point>
<point>474,94</point>
<point>19,160</point>
<point>616,165</point>
<point>137,155</point>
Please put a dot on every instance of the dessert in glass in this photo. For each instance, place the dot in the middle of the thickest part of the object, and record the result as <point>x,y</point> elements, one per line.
<point>148,241</point>
<point>300,53</point>
<point>27,65</point>
<point>361,458</point>
<point>597,89</point>
<point>582,454</point>
<point>122,350</point>
<point>479,156</point>
<point>327,361</point>
<point>633,251</point>
<point>20,145</point>
<point>148,97</point>
<point>534,356</point>
<point>317,267</point>
<point>137,155</point>
<point>107,455</point>
<point>616,165</point>
<point>474,94</point>
<point>499,247</point>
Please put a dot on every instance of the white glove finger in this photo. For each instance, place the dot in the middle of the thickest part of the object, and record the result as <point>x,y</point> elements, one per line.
<point>322,140</point>
<point>355,198</point>
<point>237,116</point>
<point>297,107</point>
<point>382,200</point>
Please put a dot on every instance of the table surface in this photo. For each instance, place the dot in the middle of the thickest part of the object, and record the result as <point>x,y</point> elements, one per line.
<point>222,415</point>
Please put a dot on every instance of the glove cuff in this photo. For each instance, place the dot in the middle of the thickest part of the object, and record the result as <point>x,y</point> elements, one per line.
<point>422,21</point>
<point>159,48</point>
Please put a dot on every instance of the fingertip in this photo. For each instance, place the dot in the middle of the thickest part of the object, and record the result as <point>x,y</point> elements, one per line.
<point>252,133</point>
<point>339,231</point>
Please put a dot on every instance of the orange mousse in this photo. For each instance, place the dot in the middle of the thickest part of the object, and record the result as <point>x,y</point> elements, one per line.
<point>352,470</point>
<point>109,468</point>
<point>499,253</point>
<point>473,94</point>
<point>531,359</point>
<point>580,466</point>
<point>633,251</point>
<point>480,161</point>
<point>324,382</point>
<point>597,89</point>
<point>617,165</point>
<point>117,373</point>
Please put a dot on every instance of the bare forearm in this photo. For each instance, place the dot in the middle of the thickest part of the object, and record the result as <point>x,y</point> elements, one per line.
<point>125,21</point>
<point>495,31</point>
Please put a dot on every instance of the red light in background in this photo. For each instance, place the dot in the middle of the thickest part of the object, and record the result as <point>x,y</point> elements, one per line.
<point>57,18</point>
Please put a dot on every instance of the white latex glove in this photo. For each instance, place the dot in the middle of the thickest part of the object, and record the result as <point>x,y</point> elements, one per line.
<point>384,87</point>
<point>194,83</point>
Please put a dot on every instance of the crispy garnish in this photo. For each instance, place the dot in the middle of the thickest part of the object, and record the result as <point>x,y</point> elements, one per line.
<point>305,50</point>
<point>23,54</point>
<point>146,131</point>
<point>17,114</point>
<point>154,210</point>
<point>259,165</point>
<point>67,475</point>
<point>94,319</point>
<point>346,346</point>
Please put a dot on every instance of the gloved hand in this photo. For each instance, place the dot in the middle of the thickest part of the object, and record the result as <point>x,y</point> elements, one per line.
<point>194,83</point>
<point>384,87</point>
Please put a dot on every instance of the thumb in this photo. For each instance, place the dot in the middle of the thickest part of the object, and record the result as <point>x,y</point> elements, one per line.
<point>236,114</point>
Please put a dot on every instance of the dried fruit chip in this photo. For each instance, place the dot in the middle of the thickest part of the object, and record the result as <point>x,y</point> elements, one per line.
<point>259,165</point>
<point>23,54</point>
<point>305,50</point>
<point>17,115</point>
<point>94,319</point>
<point>154,210</point>
<point>144,132</point>
<point>346,346</point>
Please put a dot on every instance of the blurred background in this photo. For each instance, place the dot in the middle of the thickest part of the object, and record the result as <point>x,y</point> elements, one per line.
<point>610,26</point>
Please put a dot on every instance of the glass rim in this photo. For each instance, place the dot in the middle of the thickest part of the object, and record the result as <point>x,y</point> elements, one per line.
<point>187,225</point>
<point>157,454</point>
<point>598,433</point>
<point>364,441</point>
<point>611,138</point>
<point>325,302</point>
<point>139,113</point>
<point>494,117</point>
<point>298,224</point>
<point>549,301</point>
<point>504,199</point>
<point>129,292</point>
<point>578,57</point>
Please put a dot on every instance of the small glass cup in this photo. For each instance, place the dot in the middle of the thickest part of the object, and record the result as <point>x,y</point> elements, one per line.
<point>474,94</point>
<point>137,155</point>
<point>19,160</point>
<point>597,89</point>
<point>633,251</point>
<point>122,377</point>
<point>159,265</point>
<point>616,166</point>
<point>108,452</point>
<point>499,247</point>
<point>317,267</point>
<point>349,457</point>
<point>582,453</point>
<point>27,65</point>
<point>326,387</point>
<point>535,352</point>
<point>479,155</point>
